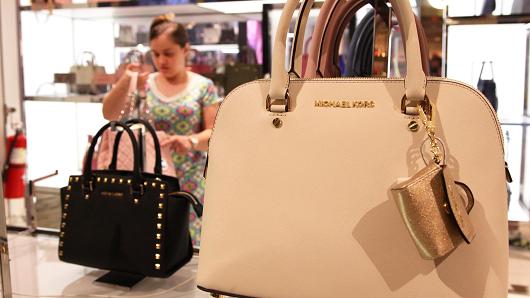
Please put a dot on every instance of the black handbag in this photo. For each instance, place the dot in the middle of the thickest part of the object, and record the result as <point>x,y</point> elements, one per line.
<point>126,221</point>
<point>488,8</point>
<point>488,87</point>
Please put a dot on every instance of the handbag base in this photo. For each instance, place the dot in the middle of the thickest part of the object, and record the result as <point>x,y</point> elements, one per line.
<point>215,293</point>
<point>123,279</point>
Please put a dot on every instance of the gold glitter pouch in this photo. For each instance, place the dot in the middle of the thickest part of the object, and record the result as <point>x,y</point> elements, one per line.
<point>434,207</point>
<point>435,213</point>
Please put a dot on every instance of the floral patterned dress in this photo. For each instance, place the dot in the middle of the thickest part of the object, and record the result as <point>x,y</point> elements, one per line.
<point>181,114</point>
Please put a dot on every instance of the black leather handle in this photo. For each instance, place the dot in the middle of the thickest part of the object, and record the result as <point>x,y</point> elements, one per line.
<point>137,175</point>
<point>158,155</point>
<point>196,204</point>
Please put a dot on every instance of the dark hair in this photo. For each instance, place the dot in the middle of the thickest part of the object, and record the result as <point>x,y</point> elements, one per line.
<point>166,23</point>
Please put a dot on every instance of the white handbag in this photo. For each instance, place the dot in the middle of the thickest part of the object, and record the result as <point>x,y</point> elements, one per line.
<point>298,188</point>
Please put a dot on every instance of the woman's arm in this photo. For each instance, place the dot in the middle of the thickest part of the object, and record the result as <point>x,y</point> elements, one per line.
<point>184,144</point>
<point>115,100</point>
<point>208,114</point>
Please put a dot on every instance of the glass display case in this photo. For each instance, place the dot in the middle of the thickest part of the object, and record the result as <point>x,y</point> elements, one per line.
<point>60,118</point>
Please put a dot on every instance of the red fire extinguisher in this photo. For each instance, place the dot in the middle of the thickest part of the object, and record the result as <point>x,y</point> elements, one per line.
<point>14,171</point>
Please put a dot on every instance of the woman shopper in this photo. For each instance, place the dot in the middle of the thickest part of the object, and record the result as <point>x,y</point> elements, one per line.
<point>180,102</point>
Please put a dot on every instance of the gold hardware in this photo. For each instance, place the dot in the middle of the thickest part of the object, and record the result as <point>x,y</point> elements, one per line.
<point>153,184</point>
<point>160,206</point>
<point>113,180</point>
<point>87,196</point>
<point>277,122</point>
<point>121,180</point>
<point>105,180</point>
<point>145,183</point>
<point>65,206</point>
<point>115,194</point>
<point>63,225</point>
<point>61,243</point>
<point>430,126</point>
<point>157,266</point>
<point>157,256</point>
<point>69,187</point>
<point>64,215</point>
<point>129,181</point>
<point>70,180</point>
<point>446,207</point>
<point>76,179</point>
<point>99,179</point>
<point>162,186</point>
<point>136,201</point>
<point>67,197</point>
<point>161,195</point>
<point>157,246</point>
<point>60,253</point>
<point>159,215</point>
<point>158,236</point>
<point>62,234</point>
<point>283,103</point>
<point>159,226</point>
<point>345,104</point>
<point>414,126</point>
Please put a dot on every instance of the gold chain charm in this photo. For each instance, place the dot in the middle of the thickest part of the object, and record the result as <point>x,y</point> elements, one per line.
<point>430,126</point>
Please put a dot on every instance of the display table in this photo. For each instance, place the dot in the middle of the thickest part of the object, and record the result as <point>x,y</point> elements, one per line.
<point>37,272</point>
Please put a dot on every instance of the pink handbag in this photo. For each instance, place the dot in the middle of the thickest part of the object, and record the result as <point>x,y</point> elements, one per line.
<point>323,57</point>
<point>116,152</point>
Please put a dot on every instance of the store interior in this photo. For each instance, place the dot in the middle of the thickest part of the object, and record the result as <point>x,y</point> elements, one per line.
<point>46,48</point>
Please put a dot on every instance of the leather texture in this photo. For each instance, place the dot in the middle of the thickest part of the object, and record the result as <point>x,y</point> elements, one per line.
<point>331,23</point>
<point>152,151</point>
<point>309,203</point>
<point>126,221</point>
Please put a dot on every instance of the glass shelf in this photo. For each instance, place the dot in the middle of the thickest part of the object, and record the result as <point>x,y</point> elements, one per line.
<point>131,10</point>
<point>521,120</point>
<point>69,98</point>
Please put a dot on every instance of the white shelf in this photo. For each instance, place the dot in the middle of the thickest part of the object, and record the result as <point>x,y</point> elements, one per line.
<point>518,120</point>
<point>184,12</point>
<point>69,98</point>
<point>229,48</point>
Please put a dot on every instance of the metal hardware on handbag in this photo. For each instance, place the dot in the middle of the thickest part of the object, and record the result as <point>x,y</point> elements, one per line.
<point>109,210</point>
<point>431,205</point>
<point>318,220</point>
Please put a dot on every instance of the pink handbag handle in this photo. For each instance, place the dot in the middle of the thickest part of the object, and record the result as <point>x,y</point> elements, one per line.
<point>279,100</point>
<point>158,155</point>
<point>332,20</point>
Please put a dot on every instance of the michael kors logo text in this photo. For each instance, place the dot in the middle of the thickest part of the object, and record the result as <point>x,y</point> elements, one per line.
<point>112,194</point>
<point>345,104</point>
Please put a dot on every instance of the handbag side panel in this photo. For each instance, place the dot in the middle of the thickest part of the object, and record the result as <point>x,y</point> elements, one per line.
<point>305,210</point>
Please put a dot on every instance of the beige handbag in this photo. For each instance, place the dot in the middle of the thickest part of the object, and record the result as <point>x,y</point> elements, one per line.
<point>298,188</point>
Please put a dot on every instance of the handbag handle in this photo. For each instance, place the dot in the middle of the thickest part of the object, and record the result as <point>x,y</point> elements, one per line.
<point>90,62</point>
<point>137,185</point>
<point>482,69</point>
<point>158,155</point>
<point>278,99</point>
<point>323,60</point>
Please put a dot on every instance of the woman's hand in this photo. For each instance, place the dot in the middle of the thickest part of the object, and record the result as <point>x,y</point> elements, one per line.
<point>143,71</point>
<point>180,144</point>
